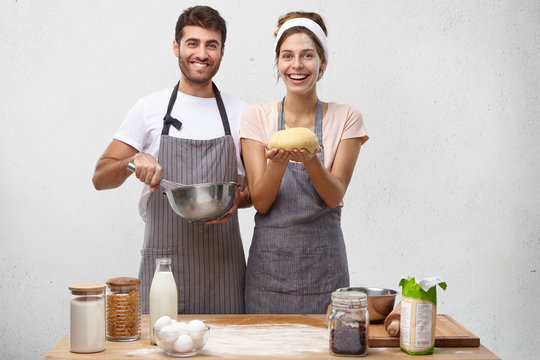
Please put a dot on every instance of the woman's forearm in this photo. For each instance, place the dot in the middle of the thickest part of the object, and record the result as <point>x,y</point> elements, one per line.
<point>264,175</point>
<point>332,185</point>
<point>329,187</point>
<point>265,190</point>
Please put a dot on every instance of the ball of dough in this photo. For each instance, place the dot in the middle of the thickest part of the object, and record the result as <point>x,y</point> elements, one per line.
<point>294,138</point>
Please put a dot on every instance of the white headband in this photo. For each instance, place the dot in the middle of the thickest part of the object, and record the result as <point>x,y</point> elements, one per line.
<point>308,24</point>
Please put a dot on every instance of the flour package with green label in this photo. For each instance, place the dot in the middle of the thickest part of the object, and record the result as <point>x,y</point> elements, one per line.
<point>418,315</point>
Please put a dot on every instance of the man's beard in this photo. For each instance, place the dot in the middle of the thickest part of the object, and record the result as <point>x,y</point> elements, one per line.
<point>195,78</point>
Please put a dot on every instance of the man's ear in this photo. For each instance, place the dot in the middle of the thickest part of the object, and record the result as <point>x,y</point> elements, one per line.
<point>176,48</point>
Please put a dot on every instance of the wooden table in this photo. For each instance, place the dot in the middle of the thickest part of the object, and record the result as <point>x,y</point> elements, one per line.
<point>279,333</point>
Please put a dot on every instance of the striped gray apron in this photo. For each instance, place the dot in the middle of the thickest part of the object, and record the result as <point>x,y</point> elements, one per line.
<point>297,255</point>
<point>207,260</point>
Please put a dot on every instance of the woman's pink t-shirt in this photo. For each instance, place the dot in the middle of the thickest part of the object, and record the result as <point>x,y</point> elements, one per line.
<point>340,122</point>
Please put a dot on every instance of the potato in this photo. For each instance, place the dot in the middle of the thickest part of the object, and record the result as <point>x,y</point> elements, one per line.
<point>294,138</point>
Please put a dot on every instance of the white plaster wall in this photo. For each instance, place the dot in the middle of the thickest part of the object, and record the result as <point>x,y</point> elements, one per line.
<point>448,184</point>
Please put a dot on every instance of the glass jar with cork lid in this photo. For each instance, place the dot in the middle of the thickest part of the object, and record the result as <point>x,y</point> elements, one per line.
<point>123,309</point>
<point>87,318</point>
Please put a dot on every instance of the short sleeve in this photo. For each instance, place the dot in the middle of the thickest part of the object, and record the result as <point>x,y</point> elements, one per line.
<point>252,127</point>
<point>354,126</point>
<point>133,129</point>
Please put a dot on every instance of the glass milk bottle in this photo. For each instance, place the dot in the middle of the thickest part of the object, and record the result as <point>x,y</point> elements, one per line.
<point>163,294</point>
<point>87,318</point>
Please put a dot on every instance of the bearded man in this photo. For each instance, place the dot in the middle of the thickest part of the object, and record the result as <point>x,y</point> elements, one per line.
<point>187,134</point>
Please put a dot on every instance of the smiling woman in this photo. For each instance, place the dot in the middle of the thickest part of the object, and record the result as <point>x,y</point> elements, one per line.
<point>312,25</point>
<point>297,255</point>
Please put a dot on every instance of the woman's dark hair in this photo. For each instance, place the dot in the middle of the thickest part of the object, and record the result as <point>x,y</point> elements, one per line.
<point>203,16</point>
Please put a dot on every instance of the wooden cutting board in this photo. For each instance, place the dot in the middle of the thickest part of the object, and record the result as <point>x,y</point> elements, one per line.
<point>448,333</point>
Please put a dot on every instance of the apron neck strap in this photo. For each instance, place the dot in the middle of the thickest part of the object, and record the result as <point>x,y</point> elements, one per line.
<point>317,126</point>
<point>168,120</point>
<point>221,108</point>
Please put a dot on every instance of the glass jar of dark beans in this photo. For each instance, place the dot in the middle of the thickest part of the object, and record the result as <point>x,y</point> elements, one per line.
<point>348,323</point>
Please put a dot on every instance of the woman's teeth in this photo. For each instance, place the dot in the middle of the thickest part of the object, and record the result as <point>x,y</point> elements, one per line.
<point>297,77</point>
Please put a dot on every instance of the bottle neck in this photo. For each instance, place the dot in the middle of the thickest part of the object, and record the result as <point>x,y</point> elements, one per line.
<point>163,268</point>
<point>163,265</point>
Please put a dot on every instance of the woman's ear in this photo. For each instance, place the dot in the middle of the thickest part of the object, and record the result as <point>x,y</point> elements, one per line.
<point>321,70</point>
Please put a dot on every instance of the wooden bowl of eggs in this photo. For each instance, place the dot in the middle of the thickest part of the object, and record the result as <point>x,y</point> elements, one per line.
<point>179,338</point>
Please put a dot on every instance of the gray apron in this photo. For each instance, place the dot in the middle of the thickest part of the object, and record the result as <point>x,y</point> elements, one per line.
<point>208,261</point>
<point>297,255</point>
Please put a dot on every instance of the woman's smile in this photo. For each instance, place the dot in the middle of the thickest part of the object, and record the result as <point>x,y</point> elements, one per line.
<point>298,76</point>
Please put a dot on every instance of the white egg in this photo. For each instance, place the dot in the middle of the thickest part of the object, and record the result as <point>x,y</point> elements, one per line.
<point>167,346</point>
<point>161,322</point>
<point>198,341</point>
<point>168,333</point>
<point>183,344</point>
<point>196,326</point>
<point>181,327</point>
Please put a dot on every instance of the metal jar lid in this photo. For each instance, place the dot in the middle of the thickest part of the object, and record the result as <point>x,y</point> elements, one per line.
<point>349,299</point>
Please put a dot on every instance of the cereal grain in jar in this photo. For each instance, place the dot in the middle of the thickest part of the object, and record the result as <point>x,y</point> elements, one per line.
<point>123,309</point>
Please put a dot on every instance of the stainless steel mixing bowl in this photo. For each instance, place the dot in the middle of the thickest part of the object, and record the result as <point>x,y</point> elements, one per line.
<point>380,301</point>
<point>200,202</point>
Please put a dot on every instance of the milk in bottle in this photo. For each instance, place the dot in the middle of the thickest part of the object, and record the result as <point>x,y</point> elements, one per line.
<point>163,294</point>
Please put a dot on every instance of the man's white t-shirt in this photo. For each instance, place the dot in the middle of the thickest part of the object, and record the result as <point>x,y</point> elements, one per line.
<point>200,119</point>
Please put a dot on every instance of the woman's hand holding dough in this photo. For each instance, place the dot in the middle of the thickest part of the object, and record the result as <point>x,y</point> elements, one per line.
<point>277,156</point>
<point>301,155</point>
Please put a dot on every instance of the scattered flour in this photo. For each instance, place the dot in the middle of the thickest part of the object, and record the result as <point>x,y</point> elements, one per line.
<point>265,340</point>
<point>146,352</point>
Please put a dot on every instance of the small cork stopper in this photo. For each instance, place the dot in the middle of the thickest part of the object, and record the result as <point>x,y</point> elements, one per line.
<point>123,281</point>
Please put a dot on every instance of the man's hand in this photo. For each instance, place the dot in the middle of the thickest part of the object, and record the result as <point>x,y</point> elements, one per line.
<point>238,199</point>
<point>147,170</point>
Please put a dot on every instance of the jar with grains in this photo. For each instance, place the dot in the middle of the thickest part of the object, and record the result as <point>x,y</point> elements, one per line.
<point>87,318</point>
<point>348,323</point>
<point>123,309</point>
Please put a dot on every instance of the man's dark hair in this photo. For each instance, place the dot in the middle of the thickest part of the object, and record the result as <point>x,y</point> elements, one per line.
<point>203,16</point>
